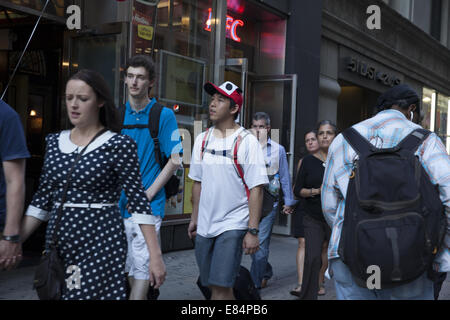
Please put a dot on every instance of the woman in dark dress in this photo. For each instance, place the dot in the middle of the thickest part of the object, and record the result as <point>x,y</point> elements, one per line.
<point>316,230</point>
<point>90,235</point>
<point>312,146</point>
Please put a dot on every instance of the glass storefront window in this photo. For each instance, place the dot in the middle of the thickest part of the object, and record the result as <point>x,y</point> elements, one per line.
<point>181,33</point>
<point>442,125</point>
<point>428,108</point>
<point>55,7</point>
<point>435,111</point>
<point>256,34</point>
<point>184,56</point>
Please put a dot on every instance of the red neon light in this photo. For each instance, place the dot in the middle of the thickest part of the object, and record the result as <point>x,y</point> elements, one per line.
<point>234,26</point>
<point>231,25</point>
<point>208,22</point>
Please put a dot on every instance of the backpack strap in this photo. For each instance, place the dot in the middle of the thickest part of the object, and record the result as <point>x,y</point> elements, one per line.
<point>122,111</point>
<point>205,142</point>
<point>225,153</point>
<point>412,141</point>
<point>153,127</point>
<point>360,144</point>
<point>236,144</point>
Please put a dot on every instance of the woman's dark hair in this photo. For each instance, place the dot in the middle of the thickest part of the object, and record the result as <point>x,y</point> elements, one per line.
<point>109,116</point>
<point>310,131</point>
<point>327,122</point>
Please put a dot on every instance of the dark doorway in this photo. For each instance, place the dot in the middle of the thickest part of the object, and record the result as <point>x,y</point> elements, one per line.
<point>355,104</point>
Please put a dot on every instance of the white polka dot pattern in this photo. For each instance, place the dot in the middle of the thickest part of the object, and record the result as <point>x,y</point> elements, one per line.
<point>92,239</point>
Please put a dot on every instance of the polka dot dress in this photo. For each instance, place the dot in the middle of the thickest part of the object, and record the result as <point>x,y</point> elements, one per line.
<point>92,239</point>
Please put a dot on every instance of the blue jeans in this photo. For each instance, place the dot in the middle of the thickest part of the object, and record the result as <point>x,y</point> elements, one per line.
<point>347,289</point>
<point>261,268</point>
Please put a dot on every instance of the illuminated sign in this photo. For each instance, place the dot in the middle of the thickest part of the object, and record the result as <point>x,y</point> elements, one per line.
<point>231,26</point>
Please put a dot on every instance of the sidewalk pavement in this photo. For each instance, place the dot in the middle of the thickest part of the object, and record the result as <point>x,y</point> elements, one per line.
<point>182,274</point>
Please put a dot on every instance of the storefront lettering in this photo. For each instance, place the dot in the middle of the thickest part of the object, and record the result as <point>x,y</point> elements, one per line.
<point>365,70</point>
<point>140,20</point>
<point>231,25</point>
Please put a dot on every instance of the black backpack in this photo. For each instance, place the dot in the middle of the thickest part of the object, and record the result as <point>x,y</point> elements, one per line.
<point>171,187</point>
<point>394,218</point>
<point>244,287</point>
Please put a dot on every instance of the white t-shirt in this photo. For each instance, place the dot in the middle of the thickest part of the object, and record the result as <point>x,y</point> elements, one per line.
<point>223,199</point>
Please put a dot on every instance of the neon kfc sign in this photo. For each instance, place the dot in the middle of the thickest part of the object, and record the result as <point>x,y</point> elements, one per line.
<point>231,26</point>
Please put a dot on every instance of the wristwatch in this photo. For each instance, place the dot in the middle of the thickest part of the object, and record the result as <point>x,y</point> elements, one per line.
<point>253,231</point>
<point>13,239</point>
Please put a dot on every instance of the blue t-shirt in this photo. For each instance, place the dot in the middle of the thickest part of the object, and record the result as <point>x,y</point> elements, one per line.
<point>12,146</point>
<point>170,143</point>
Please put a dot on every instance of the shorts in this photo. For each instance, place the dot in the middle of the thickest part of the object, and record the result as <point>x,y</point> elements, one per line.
<point>138,259</point>
<point>219,258</point>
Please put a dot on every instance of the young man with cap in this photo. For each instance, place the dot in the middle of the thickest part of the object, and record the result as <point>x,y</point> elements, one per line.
<point>229,172</point>
<point>386,129</point>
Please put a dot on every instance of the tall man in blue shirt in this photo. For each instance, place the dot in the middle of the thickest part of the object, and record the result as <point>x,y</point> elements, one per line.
<point>276,163</point>
<point>13,152</point>
<point>140,78</point>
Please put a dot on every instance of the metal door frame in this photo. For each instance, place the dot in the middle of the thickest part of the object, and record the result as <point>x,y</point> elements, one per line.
<point>243,64</point>
<point>286,78</point>
<point>285,230</point>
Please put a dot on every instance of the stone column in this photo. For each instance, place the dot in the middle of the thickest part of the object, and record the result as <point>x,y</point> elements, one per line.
<point>329,88</point>
<point>445,24</point>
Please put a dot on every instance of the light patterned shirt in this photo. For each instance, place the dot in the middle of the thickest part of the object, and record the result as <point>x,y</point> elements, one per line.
<point>385,130</point>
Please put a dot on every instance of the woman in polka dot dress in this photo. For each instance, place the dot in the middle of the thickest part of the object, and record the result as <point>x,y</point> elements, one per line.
<point>91,234</point>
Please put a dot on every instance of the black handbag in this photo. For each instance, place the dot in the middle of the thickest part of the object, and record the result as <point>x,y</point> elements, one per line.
<point>49,274</point>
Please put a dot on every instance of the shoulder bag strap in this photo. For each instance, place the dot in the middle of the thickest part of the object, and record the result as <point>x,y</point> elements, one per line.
<point>66,187</point>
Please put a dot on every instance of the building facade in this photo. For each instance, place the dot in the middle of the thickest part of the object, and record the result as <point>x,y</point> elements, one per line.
<point>357,64</point>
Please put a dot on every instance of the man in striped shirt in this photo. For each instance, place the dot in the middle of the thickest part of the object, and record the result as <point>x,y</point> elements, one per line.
<point>384,130</point>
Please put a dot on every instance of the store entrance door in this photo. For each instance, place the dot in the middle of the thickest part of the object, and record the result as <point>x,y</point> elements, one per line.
<point>275,95</point>
<point>236,71</point>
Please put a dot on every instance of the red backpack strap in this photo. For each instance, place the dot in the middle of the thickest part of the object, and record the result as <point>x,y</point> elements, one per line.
<point>240,171</point>
<point>204,143</point>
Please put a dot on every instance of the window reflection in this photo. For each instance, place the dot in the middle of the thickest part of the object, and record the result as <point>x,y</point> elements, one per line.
<point>55,7</point>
